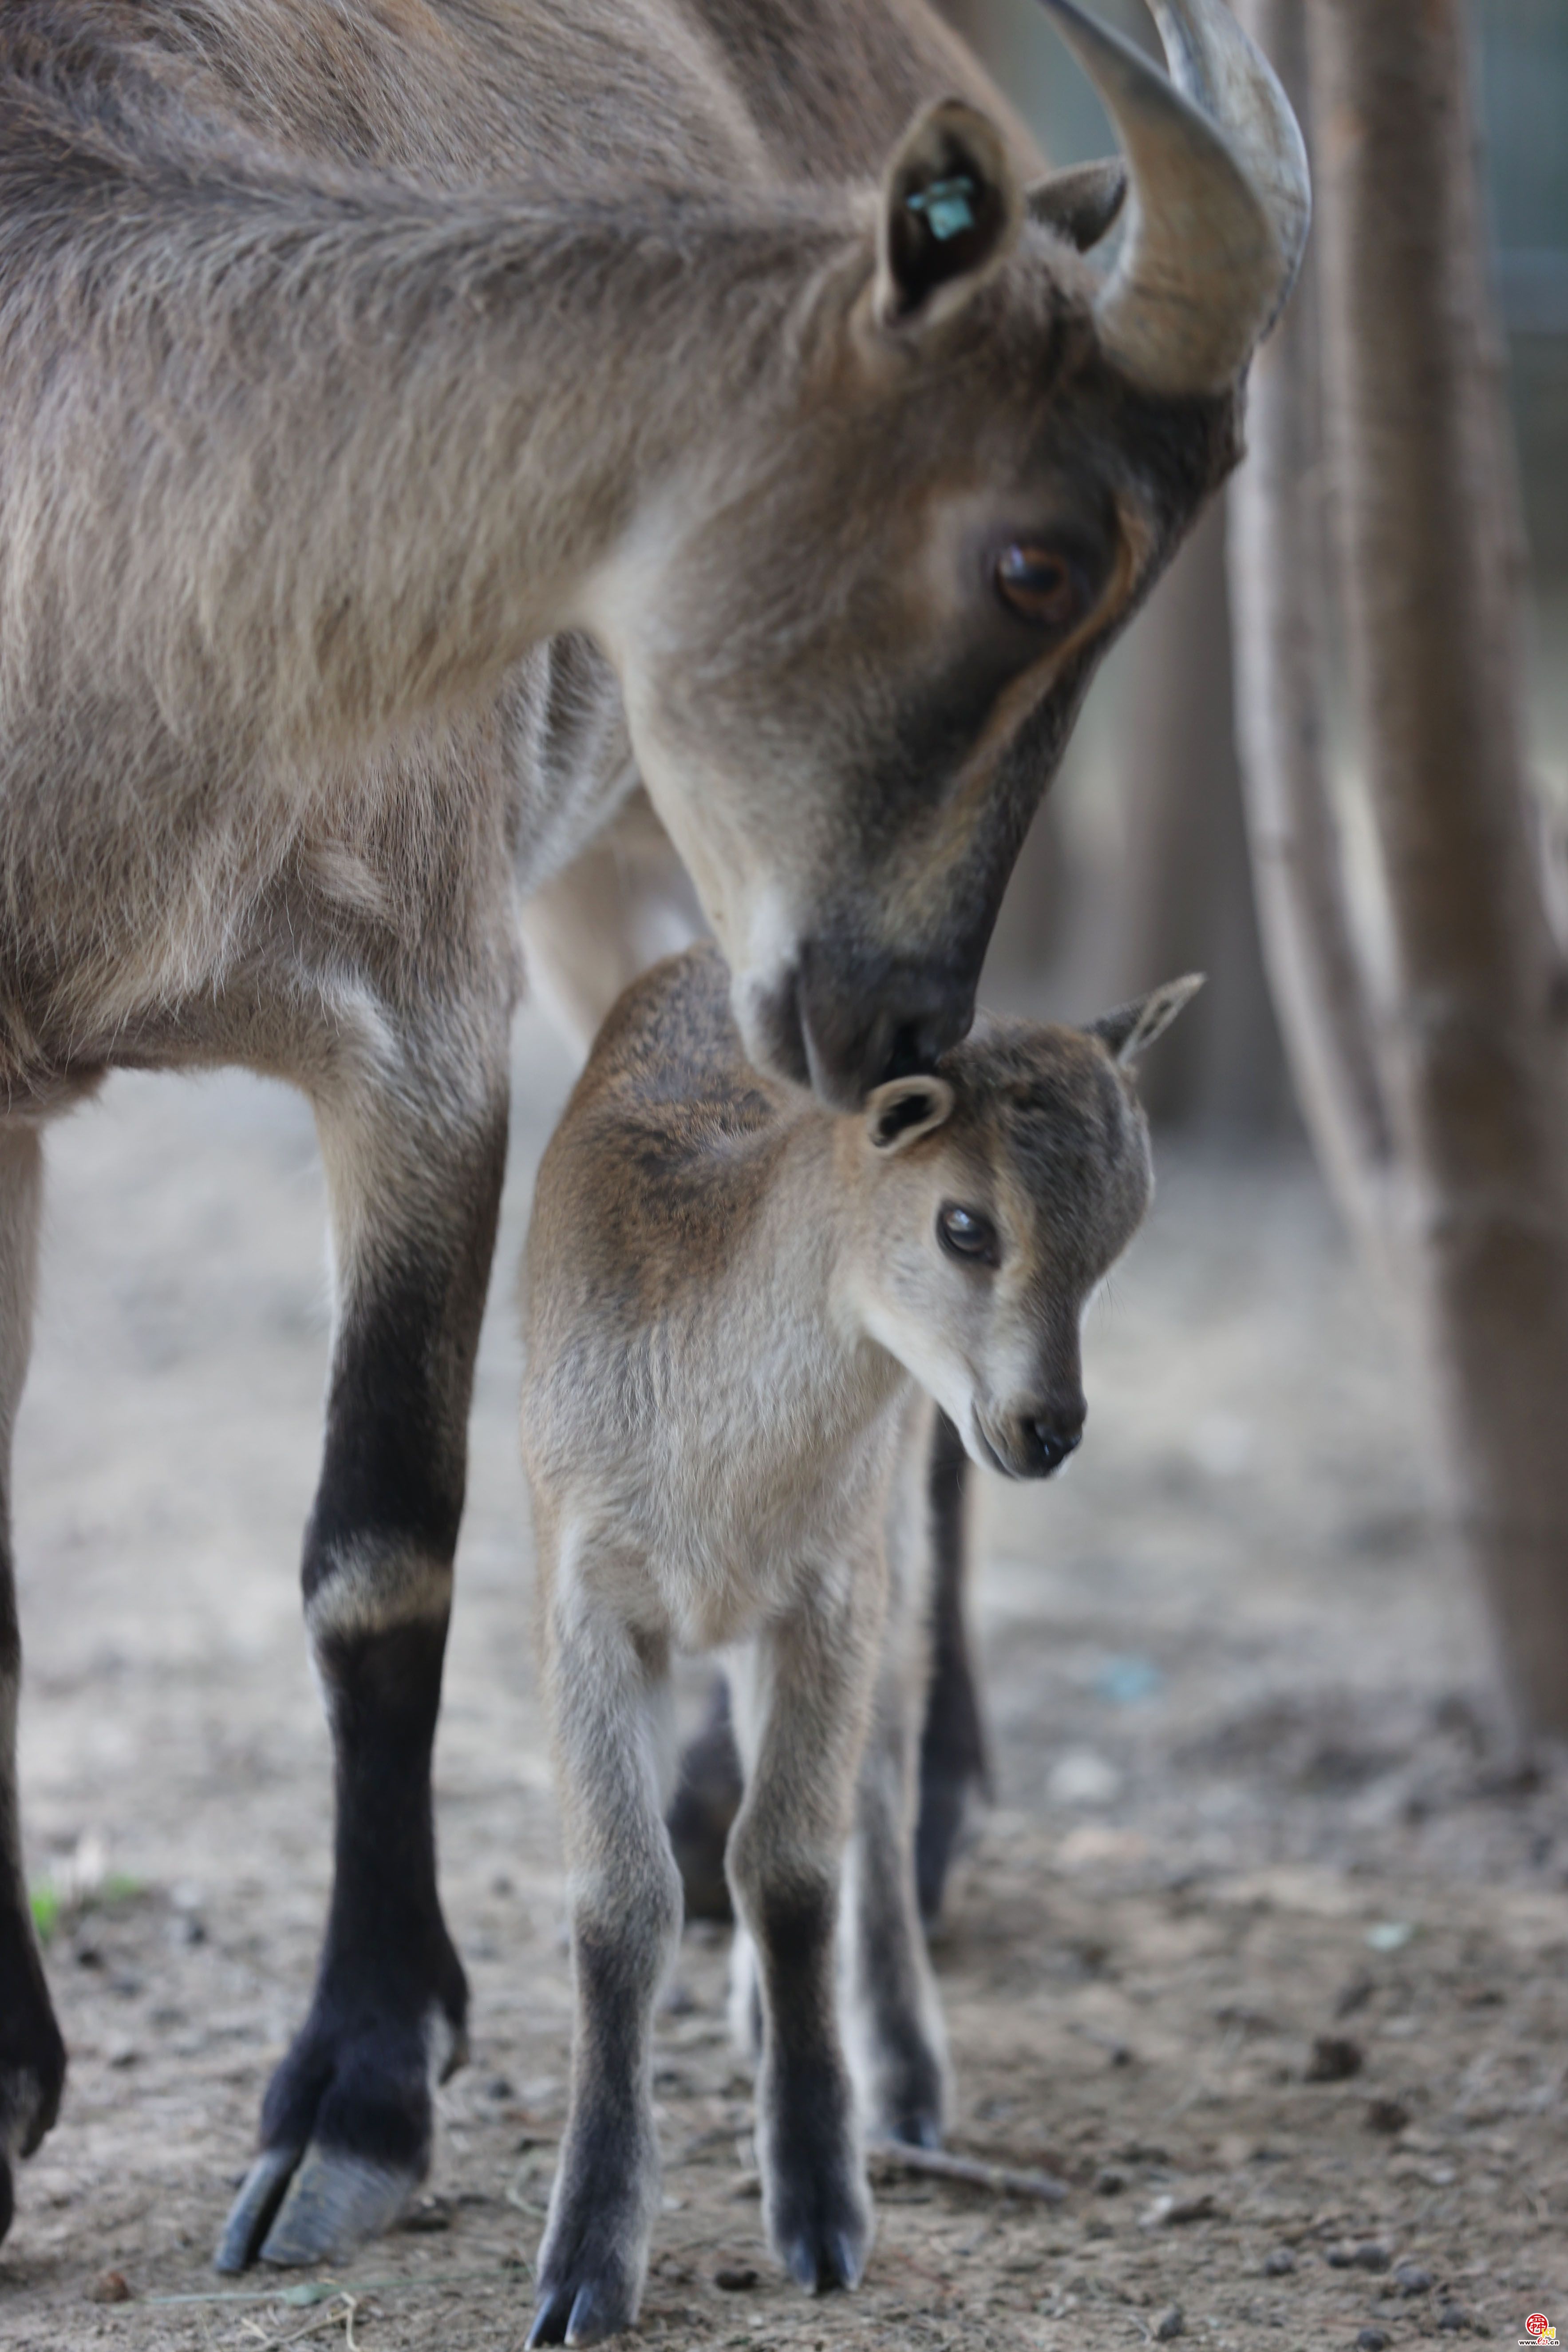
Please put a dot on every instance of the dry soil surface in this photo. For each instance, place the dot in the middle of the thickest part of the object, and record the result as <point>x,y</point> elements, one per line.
<point>1261,1949</point>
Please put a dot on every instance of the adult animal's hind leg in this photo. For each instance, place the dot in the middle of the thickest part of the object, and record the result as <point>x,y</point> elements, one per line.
<point>608,1694</point>
<point>801,1715</point>
<point>347,2122</point>
<point>32,2054</point>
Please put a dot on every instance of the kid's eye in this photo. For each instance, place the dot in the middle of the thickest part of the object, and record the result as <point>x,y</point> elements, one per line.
<point>1041,585</point>
<point>967,1233</point>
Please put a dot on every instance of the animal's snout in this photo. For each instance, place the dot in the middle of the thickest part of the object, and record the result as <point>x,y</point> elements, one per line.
<point>1032,1439</point>
<point>865,1018</point>
<point>1047,1438</point>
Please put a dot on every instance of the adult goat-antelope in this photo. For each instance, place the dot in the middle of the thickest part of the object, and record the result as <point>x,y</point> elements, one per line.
<point>418,418</point>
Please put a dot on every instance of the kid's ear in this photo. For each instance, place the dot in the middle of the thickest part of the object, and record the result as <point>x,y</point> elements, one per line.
<point>951,211</point>
<point>900,1112</point>
<point>1132,1028</point>
<point>1082,203</point>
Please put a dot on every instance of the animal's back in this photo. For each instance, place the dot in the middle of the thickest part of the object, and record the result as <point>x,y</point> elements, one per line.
<point>569,92</point>
<point>664,1153</point>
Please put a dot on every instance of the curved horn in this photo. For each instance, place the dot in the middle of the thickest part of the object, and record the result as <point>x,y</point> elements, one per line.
<point>1220,197</point>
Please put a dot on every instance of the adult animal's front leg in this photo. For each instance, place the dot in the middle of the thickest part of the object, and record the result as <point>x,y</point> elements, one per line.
<point>801,1715</point>
<point>954,1775</point>
<point>32,2054</point>
<point>347,2122</point>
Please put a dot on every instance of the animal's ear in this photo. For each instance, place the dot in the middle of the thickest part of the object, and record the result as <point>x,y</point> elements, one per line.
<point>1080,205</point>
<point>951,208</point>
<point>1132,1028</point>
<point>900,1112</point>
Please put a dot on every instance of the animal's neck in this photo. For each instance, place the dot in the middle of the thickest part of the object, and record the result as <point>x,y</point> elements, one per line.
<point>841,1380</point>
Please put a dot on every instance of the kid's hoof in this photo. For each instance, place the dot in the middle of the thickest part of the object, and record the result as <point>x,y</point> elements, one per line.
<point>581,2314</point>
<point>817,2204</point>
<point>916,2127</point>
<point>822,2261</point>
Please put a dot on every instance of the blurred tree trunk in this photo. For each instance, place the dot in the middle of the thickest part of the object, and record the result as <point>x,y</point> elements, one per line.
<point>1188,905</point>
<point>1429,553</point>
<point>1279,597</point>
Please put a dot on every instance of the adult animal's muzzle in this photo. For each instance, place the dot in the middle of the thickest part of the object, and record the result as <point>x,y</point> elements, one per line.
<point>864,1018</point>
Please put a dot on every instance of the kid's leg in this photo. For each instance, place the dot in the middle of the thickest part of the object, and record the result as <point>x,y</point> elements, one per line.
<point>608,1694</point>
<point>801,1705</point>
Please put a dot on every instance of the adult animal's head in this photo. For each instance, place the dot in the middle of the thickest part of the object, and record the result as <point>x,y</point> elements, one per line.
<point>854,635</point>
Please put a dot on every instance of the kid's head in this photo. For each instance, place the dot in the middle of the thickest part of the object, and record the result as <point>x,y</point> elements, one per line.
<point>993,1199</point>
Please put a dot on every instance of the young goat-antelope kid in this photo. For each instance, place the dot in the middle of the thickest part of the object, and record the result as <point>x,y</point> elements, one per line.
<point>733,1299</point>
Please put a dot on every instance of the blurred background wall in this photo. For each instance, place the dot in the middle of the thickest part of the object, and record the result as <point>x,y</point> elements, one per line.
<point>1137,868</point>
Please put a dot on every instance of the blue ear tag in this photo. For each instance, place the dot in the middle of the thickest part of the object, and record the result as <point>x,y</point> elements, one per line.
<point>946,205</point>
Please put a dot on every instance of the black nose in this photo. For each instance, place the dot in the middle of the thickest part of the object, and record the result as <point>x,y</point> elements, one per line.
<point>1048,1438</point>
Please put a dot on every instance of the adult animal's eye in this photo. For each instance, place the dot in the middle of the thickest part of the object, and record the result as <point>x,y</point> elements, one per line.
<point>1042,586</point>
<point>967,1233</point>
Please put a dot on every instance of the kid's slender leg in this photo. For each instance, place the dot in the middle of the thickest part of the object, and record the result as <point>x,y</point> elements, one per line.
<point>609,1700</point>
<point>897,2048</point>
<point>803,1701</point>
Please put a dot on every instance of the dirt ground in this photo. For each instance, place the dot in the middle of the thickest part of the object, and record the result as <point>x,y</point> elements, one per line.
<point>1254,1825</point>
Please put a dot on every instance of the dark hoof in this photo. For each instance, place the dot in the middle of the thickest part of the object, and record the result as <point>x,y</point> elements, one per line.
<point>594,2257</point>
<point>820,2260</point>
<point>916,2127</point>
<point>32,2067</point>
<point>346,2127</point>
<point>819,2219</point>
<point>335,2203</point>
<point>584,2296</point>
<point>702,1813</point>
<point>583,2315</point>
<point>250,2216</point>
<point>321,2211</point>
